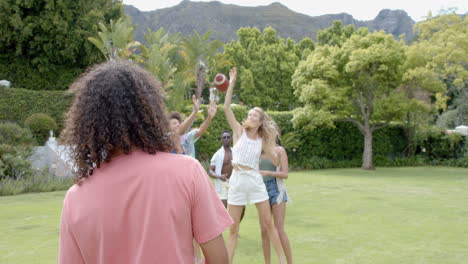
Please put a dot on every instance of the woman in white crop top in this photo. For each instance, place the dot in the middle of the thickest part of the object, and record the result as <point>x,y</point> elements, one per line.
<point>256,134</point>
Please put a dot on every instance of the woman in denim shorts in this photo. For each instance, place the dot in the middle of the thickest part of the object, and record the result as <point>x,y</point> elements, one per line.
<point>273,178</point>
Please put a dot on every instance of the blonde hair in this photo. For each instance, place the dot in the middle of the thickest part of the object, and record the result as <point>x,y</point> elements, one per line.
<point>268,131</point>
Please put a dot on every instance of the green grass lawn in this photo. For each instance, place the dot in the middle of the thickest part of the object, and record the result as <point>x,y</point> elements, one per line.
<point>340,216</point>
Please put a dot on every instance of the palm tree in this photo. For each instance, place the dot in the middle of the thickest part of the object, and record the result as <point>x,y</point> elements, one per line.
<point>162,48</point>
<point>200,56</point>
<point>164,60</point>
<point>116,41</point>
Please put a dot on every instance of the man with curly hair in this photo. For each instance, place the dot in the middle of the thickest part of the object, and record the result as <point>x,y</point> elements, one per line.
<point>133,202</point>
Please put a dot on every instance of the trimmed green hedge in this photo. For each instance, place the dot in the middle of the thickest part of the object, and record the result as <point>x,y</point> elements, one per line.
<point>342,146</point>
<point>18,104</point>
<point>16,143</point>
<point>22,74</point>
<point>337,147</point>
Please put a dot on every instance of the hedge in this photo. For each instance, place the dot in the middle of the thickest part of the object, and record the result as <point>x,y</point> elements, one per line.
<point>343,143</point>
<point>18,104</point>
<point>51,77</point>
<point>341,146</point>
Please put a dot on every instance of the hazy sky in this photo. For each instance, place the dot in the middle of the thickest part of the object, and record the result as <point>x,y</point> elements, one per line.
<point>359,9</point>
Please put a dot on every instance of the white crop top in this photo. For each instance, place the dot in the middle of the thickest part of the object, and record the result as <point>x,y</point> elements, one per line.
<point>246,151</point>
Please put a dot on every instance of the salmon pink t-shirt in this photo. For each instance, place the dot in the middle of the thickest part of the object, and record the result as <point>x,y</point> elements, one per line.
<point>141,208</point>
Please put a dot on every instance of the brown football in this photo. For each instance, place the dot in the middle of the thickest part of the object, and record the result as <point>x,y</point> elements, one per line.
<point>221,82</point>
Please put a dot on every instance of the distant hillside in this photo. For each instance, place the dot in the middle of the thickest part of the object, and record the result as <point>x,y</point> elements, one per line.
<point>224,20</point>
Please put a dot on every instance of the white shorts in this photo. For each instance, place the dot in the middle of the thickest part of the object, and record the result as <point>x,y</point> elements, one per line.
<point>246,187</point>
<point>222,189</point>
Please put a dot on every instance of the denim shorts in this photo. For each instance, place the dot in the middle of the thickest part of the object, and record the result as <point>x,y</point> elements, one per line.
<point>273,192</point>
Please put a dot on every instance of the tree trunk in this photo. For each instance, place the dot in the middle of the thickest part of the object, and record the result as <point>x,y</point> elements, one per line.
<point>367,163</point>
<point>200,81</point>
<point>410,132</point>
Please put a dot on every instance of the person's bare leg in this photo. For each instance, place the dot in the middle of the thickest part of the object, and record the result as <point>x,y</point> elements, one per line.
<point>264,214</point>
<point>265,244</point>
<point>242,215</point>
<point>279,212</point>
<point>235,212</point>
<point>197,252</point>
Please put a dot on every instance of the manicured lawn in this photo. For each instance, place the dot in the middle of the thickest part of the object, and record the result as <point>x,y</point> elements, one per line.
<point>340,216</point>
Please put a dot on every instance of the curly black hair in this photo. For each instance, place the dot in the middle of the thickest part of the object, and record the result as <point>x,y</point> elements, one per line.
<point>175,115</point>
<point>118,107</point>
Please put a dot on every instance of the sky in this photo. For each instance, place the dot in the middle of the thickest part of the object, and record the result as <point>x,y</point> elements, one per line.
<point>359,9</point>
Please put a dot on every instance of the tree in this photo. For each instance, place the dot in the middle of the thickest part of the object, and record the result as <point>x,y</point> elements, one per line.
<point>335,35</point>
<point>268,61</point>
<point>163,60</point>
<point>116,41</point>
<point>160,53</point>
<point>441,47</point>
<point>421,83</point>
<point>199,53</point>
<point>304,48</point>
<point>42,36</point>
<point>357,82</point>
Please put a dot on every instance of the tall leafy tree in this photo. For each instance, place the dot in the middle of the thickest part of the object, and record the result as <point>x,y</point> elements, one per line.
<point>441,47</point>
<point>49,31</point>
<point>163,58</point>
<point>45,34</point>
<point>200,55</point>
<point>267,62</point>
<point>357,82</point>
<point>305,47</point>
<point>335,35</point>
<point>116,41</point>
<point>161,52</point>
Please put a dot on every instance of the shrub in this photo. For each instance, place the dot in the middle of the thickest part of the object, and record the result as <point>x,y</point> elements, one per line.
<point>40,125</point>
<point>15,148</point>
<point>18,104</point>
<point>439,145</point>
<point>38,181</point>
<point>14,135</point>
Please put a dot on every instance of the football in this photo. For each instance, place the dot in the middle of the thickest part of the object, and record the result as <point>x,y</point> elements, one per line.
<point>221,82</point>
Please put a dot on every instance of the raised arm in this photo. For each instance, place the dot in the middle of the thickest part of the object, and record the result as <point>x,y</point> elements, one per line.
<point>211,114</point>
<point>182,129</point>
<point>235,126</point>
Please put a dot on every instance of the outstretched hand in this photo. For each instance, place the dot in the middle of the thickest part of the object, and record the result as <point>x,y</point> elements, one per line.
<point>212,109</point>
<point>232,75</point>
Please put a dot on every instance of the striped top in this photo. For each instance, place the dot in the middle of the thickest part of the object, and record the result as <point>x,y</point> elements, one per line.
<point>246,151</point>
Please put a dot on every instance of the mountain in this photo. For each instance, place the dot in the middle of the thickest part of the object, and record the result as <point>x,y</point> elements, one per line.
<point>224,20</point>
